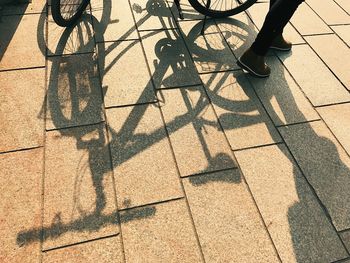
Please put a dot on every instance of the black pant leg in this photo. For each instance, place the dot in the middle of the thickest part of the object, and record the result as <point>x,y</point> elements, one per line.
<point>276,19</point>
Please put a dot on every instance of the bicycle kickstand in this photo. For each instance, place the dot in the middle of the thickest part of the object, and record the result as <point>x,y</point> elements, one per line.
<point>177,2</point>
<point>205,17</point>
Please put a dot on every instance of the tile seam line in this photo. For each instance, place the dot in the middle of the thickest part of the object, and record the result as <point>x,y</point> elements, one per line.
<point>25,68</point>
<point>151,204</point>
<point>24,14</point>
<point>341,7</point>
<point>79,243</point>
<point>332,104</point>
<point>21,150</point>
<point>257,147</point>
<point>208,173</point>
<point>75,126</point>
<point>227,141</point>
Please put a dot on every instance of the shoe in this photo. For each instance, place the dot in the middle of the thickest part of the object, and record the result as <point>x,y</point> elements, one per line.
<point>279,43</point>
<point>254,64</point>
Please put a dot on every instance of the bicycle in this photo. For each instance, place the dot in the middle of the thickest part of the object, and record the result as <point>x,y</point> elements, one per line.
<point>66,12</point>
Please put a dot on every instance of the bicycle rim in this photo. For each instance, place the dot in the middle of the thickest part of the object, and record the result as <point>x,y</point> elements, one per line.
<point>221,8</point>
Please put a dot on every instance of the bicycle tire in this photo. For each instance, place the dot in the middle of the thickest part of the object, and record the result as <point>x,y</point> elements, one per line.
<point>60,19</point>
<point>213,11</point>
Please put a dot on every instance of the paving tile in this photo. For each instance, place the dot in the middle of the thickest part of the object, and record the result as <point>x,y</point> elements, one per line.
<point>104,250</point>
<point>337,119</point>
<point>326,166</point>
<point>312,25</point>
<point>343,31</point>
<point>36,6</point>
<point>169,61</point>
<point>152,14</point>
<point>258,13</point>
<point>240,113</point>
<point>74,95</point>
<point>209,52</point>
<point>74,40</point>
<point>297,223</point>
<point>125,75</point>
<point>189,13</point>
<point>196,137</point>
<point>345,4</point>
<point>227,221</point>
<point>143,164</point>
<point>329,11</point>
<point>281,96</point>
<point>165,236</point>
<point>21,109</point>
<point>345,236</point>
<point>114,21</point>
<point>79,199</point>
<point>315,79</point>
<point>336,56</point>
<point>20,206</point>
<point>14,51</point>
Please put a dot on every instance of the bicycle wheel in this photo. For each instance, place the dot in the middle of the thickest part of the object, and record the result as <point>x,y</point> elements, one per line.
<point>221,8</point>
<point>66,12</point>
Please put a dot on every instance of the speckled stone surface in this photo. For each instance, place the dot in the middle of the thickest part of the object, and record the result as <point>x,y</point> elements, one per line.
<point>36,6</point>
<point>152,14</point>
<point>22,96</point>
<point>168,59</point>
<point>196,137</point>
<point>343,31</point>
<point>121,86</point>
<point>165,236</point>
<point>79,197</point>
<point>144,167</point>
<point>209,52</point>
<point>20,206</point>
<point>104,250</point>
<point>228,224</point>
<point>326,166</point>
<point>345,236</point>
<point>281,96</point>
<point>344,4</point>
<point>336,56</point>
<point>115,20</point>
<point>337,119</point>
<point>317,82</point>
<point>74,94</point>
<point>329,11</point>
<point>312,25</point>
<point>240,113</point>
<point>13,49</point>
<point>298,226</point>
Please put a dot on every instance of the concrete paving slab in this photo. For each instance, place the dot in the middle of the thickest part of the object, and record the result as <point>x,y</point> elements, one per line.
<point>74,95</point>
<point>168,58</point>
<point>329,11</point>
<point>79,199</point>
<point>152,14</point>
<point>344,4</point>
<point>165,236</point>
<point>20,207</point>
<point>312,25</point>
<point>281,96</point>
<point>196,137</point>
<point>125,76</point>
<point>318,83</point>
<point>103,250</point>
<point>258,12</point>
<point>209,52</point>
<point>114,21</point>
<point>240,113</point>
<point>189,13</point>
<point>144,167</point>
<point>343,31</point>
<point>22,102</point>
<point>297,223</point>
<point>36,6</point>
<point>345,236</point>
<point>228,223</point>
<point>337,119</point>
<point>326,166</point>
<point>19,47</point>
<point>78,39</point>
<point>336,55</point>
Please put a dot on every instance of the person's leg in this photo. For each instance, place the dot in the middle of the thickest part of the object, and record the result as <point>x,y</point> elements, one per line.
<point>278,16</point>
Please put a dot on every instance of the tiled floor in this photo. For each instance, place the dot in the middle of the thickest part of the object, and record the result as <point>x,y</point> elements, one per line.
<point>132,138</point>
